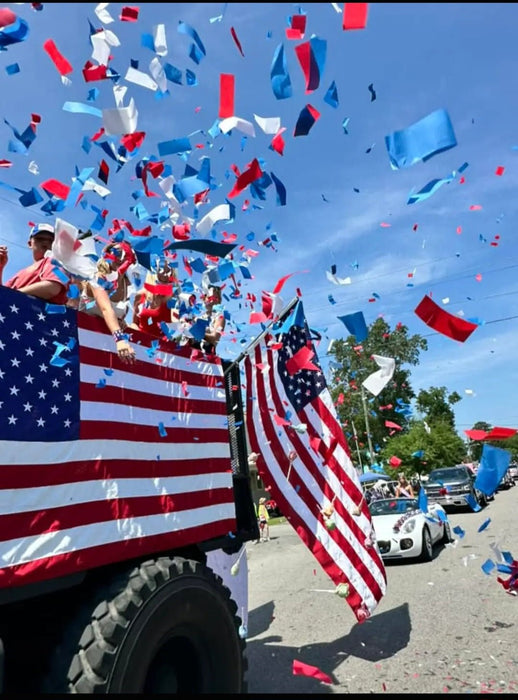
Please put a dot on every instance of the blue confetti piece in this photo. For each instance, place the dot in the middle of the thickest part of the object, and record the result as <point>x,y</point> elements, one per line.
<point>488,566</point>
<point>504,569</point>
<point>459,531</point>
<point>472,503</point>
<point>108,372</point>
<point>162,430</point>
<point>55,308</point>
<point>442,516</point>
<point>484,525</point>
<point>421,141</point>
<point>12,69</point>
<point>101,384</point>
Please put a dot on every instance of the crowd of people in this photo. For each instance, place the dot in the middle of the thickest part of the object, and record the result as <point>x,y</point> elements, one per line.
<point>107,293</point>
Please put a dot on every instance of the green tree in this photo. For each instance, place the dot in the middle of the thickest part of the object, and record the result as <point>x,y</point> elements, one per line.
<point>440,445</point>
<point>436,406</point>
<point>352,363</point>
<point>476,446</point>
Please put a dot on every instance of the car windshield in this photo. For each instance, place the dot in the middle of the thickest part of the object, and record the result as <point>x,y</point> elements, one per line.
<point>449,474</point>
<point>389,506</point>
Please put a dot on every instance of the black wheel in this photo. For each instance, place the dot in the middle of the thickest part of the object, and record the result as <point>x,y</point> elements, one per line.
<point>167,626</point>
<point>481,499</point>
<point>427,546</point>
<point>447,536</point>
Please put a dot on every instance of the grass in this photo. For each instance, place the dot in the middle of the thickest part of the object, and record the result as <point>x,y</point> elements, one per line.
<point>277,521</point>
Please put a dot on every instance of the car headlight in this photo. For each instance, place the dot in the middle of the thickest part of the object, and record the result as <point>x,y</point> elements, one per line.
<point>409,526</point>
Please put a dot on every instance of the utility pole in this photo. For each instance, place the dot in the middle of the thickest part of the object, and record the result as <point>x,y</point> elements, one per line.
<point>357,448</point>
<point>369,441</point>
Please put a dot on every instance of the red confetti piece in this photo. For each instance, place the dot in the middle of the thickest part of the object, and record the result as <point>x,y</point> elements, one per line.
<point>5,163</point>
<point>7,17</point>
<point>414,227</point>
<point>355,15</point>
<point>298,27</point>
<point>500,170</point>
<point>475,207</point>
<point>57,58</point>
<point>238,44</point>
<point>385,225</point>
<point>302,669</point>
<point>226,95</point>
<point>478,277</point>
<point>253,173</point>
<point>56,188</point>
<point>459,229</point>
<point>129,14</point>
<point>277,144</point>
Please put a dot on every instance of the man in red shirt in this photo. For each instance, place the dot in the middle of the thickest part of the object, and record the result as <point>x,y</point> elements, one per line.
<point>39,278</point>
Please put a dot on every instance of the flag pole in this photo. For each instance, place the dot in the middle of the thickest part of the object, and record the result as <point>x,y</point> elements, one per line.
<point>367,427</point>
<point>257,340</point>
<point>356,441</point>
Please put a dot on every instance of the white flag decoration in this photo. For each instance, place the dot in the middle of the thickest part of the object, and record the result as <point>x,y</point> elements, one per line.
<point>378,380</point>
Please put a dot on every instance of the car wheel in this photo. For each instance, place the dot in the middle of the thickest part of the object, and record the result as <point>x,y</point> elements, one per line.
<point>447,536</point>
<point>427,546</point>
<point>481,499</point>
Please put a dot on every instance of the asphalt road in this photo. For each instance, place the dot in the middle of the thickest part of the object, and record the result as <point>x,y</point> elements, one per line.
<point>443,626</point>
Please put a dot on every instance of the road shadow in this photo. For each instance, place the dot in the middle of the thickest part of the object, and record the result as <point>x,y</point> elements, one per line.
<point>271,664</point>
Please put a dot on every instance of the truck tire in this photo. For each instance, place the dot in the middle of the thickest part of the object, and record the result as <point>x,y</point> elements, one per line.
<point>167,626</point>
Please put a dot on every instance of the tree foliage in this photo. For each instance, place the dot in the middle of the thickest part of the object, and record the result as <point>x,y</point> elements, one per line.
<point>353,363</point>
<point>436,406</point>
<point>476,446</point>
<point>440,444</point>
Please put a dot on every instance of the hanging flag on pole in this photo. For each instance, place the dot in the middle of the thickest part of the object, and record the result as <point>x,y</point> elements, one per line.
<point>311,475</point>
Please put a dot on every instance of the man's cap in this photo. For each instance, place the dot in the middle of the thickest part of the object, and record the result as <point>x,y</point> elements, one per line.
<point>42,228</point>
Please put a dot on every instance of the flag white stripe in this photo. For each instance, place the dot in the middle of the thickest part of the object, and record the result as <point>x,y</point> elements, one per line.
<point>27,549</point>
<point>71,494</point>
<point>133,415</point>
<point>99,341</point>
<point>42,453</point>
<point>90,374</point>
<point>300,506</point>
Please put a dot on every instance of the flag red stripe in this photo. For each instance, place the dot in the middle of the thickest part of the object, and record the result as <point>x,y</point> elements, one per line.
<point>143,399</point>
<point>29,524</point>
<point>96,430</point>
<point>31,476</point>
<point>102,555</point>
<point>303,490</point>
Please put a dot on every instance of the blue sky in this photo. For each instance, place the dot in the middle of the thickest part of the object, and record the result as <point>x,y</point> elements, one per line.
<point>418,57</point>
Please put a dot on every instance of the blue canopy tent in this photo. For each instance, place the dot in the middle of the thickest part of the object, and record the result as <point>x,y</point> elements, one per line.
<point>372,476</point>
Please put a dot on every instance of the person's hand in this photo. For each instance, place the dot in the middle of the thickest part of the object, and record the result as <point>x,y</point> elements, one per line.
<point>4,257</point>
<point>125,352</point>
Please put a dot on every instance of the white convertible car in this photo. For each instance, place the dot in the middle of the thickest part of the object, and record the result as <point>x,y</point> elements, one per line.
<point>403,530</point>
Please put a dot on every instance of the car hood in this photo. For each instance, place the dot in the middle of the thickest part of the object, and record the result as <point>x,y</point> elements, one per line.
<point>384,525</point>
<point>445,482</point>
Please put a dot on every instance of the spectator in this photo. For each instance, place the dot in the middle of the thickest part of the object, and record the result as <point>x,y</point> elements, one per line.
<point>37,279</point>
<point>107,295</point>
<point>264,517</point>
<point>153,306</point>
<point>215,318</point>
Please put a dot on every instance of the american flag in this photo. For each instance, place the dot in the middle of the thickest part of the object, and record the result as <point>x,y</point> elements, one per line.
<point>305,461</point>
<point>101,461</point>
